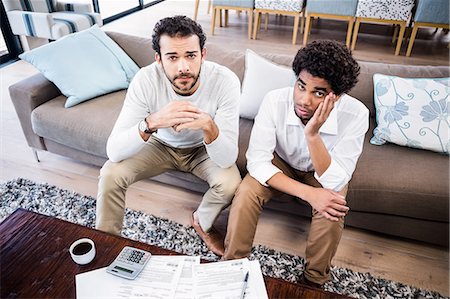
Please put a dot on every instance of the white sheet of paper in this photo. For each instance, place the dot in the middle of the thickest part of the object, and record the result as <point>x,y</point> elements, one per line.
<point>256,287</point>
<point>158,280</point>
<point>185,288</point>
<point>226,279</point>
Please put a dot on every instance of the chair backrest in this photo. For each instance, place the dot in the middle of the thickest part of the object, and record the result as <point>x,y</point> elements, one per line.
<point>432,11</point>
<point>398,10</point>
<point>236,3</point>
<point>30,5</point>
<point>282,5</point>
<point>332,7</point>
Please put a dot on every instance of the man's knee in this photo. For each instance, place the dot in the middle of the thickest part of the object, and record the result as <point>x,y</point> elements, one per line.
<point>113,175</point>
<point>225,185</point>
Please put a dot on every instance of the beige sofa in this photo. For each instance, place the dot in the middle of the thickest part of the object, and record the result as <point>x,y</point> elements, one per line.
<point>395,190</point>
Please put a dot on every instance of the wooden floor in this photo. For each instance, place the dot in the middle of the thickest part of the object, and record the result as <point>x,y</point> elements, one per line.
<point>409,262</point>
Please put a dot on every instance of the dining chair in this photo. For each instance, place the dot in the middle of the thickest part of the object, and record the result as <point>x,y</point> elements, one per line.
<point>429,13</point>
<point>330,9</point>
<point>197,3</point>
<point>281,7</point>
<point>397,12</point>
<point>226,5</point>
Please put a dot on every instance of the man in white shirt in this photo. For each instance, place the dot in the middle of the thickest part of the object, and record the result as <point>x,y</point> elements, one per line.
<point>180,112</point>
<point>305,142</point>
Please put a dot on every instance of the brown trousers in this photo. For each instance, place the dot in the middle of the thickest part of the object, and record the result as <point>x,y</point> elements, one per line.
<point>323,238</point>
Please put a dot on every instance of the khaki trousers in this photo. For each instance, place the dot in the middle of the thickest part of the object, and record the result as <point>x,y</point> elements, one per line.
<point>153,159</point>
<point>323,238</point>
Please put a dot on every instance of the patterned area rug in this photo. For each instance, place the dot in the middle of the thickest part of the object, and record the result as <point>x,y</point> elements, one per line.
<point>74,207</point>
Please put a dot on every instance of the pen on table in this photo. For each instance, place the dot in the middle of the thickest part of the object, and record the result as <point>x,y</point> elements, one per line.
<point>244,285</point>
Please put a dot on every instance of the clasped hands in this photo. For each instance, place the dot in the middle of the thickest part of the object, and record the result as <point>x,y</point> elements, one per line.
<point>179,115</point>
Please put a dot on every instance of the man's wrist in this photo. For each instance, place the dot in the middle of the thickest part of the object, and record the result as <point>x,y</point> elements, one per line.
<point>151,128</point>
<point>210,132</point>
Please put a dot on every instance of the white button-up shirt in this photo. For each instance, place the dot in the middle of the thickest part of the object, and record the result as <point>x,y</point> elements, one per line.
<point>277,128</point>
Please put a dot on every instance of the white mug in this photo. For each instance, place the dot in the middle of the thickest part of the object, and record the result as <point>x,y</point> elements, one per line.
<point>82,251</point>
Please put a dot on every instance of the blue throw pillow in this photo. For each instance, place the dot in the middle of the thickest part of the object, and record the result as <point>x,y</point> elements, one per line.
<point>84,65</point>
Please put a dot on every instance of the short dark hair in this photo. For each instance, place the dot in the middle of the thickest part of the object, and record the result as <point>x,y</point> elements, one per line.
<point>180,26</point>
<point>329,60</point>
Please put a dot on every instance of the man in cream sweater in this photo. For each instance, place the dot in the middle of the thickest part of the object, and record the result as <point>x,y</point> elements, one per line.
<point>181,112</point>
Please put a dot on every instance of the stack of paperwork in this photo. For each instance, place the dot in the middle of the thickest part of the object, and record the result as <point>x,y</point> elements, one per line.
<point>177,277</point>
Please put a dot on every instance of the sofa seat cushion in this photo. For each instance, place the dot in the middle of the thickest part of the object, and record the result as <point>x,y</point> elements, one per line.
<point>391,173</point>
<point>84,127</point>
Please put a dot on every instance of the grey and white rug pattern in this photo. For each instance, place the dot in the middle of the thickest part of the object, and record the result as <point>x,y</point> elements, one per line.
<point>76,208</point>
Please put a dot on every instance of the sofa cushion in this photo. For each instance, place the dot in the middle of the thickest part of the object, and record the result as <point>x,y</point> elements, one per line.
<point>235,60</point>
<point>85,127</point>
<point>412,112</point>
<point>261,76</point>
<point>395,180</point>
<point>83,65</point>
<point>138,48</point>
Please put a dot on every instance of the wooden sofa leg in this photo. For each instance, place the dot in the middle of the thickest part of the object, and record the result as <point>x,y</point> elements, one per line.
<point>36,157</point>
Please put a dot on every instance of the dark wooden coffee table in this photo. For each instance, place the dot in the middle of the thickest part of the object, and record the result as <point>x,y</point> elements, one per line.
<point>35,261</point>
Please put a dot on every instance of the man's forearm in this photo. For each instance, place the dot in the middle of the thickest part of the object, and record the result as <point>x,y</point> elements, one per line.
<point>320,156</point>
<point>285,184</point>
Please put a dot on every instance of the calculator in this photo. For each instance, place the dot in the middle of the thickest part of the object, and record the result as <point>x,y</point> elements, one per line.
<point>129,263</point>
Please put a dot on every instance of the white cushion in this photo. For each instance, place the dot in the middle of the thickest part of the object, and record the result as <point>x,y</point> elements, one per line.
<point>412,112</point>
<point>260,77</point>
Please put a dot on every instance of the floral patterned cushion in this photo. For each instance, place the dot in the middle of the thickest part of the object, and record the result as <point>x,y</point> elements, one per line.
<point>412,112</point>
<point>399,10</point>
<point>283,5</point>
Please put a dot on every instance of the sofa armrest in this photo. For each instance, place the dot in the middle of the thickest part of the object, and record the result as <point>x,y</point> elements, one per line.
<point>27,95</point>
<point>70,5</point>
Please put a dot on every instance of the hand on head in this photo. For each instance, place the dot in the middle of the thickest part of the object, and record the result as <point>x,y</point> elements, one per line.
<point>321,114</point>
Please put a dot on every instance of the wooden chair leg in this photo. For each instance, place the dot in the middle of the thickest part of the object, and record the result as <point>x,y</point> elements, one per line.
<point>220,18</point>
<point>294,35</point>
<point>266,21</point>
<point>209,6</point>
<point>400,38</point>
<point>257,24</point>
<point>355,33</point>
<point>349,32</point>
<point>259,21</point>
<point>226,17</point>
<point>250,23</point>
<point>197,2</point>
<point>394,36</point>
<point>411,40</point>
<point>213,19</point>
<point>302,23</point>
<point>307,28</point>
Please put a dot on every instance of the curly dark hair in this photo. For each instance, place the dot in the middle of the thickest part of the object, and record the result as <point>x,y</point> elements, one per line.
<point>329,60</point>
<point>180,26</point>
